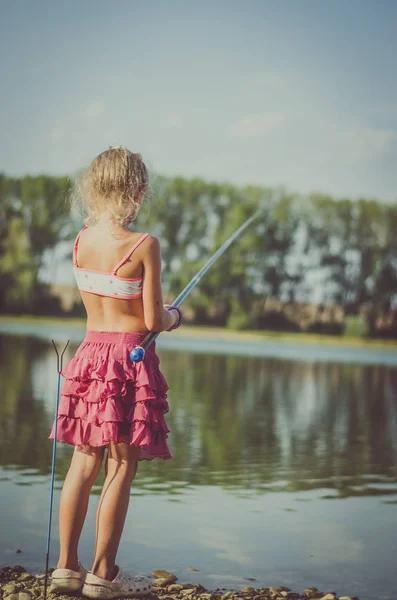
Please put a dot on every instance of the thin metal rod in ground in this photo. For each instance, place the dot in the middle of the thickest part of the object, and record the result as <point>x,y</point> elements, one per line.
<point>54,450</point>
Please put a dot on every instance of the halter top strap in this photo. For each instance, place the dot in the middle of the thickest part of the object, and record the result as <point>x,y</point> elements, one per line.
<point>76,245</point>
<point>127,256</point>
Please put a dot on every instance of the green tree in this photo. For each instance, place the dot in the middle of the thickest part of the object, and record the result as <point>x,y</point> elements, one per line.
<point>35,216</point>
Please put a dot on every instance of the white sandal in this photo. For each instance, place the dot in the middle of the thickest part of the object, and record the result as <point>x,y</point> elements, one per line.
<point>123,585</point>
<point>66,580</point>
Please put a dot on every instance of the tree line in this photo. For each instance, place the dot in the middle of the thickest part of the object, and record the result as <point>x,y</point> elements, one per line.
<point>312,250</point>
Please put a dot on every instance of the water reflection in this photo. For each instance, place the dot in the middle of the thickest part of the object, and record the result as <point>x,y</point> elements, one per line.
<point>24,420</point>
<point>246,424</point>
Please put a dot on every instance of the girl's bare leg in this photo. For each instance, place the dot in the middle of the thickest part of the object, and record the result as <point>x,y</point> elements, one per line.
<point>82,473</point>
<point>121,467</point>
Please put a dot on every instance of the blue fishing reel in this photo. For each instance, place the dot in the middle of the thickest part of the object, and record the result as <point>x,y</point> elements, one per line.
<point>137,354</point>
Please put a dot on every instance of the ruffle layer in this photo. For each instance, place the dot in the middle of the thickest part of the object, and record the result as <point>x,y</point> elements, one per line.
<point>108,399</point>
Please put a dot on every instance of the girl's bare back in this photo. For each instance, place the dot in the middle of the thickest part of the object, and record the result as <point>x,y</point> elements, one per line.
<point>100,249</point>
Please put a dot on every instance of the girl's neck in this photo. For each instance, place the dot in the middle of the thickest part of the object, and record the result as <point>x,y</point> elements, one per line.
<point>106,222</point>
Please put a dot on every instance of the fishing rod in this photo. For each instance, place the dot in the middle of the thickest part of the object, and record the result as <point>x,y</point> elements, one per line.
<point>138,353</point>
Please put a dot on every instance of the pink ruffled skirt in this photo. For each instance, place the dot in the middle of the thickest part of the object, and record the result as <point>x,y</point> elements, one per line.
<point>108,398</point>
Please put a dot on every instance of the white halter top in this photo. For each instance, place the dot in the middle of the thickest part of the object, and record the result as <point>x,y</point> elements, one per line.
<point>108,284</point>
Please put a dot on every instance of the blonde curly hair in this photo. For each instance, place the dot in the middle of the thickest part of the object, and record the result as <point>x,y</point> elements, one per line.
<point>115,181</point>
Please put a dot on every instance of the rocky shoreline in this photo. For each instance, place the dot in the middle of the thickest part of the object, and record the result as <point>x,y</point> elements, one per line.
<point>16,583</point>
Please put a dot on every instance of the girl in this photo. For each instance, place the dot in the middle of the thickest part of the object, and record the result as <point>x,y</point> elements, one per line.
<point>107,400</point>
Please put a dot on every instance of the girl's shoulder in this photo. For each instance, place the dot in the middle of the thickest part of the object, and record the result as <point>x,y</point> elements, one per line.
<point>150,245</point>
<point>150,239</point>
<point>143,241</point>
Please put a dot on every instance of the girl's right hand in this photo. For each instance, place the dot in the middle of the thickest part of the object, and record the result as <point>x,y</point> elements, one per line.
<point>172,313</point>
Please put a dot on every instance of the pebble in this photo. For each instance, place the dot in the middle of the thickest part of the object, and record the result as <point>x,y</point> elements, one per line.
<point>247,590</point>
<point>163,581</point>
<point>24,576</point>
<point>187,592</point>
<point>24,596</point>
<point>313,592</point>
<point>10,588</point>
<point>174,587</point>
<point>160,573</point>
<point>330,596</point>
<point>11,597</point>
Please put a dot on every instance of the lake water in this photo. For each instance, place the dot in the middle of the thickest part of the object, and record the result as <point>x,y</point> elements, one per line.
<point>284,467</point>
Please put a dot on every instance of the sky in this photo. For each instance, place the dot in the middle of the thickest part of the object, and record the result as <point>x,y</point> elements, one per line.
<point>298,93</point>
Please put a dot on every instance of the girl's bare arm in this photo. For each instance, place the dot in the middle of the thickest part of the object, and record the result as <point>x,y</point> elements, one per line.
<point>156,317</point>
